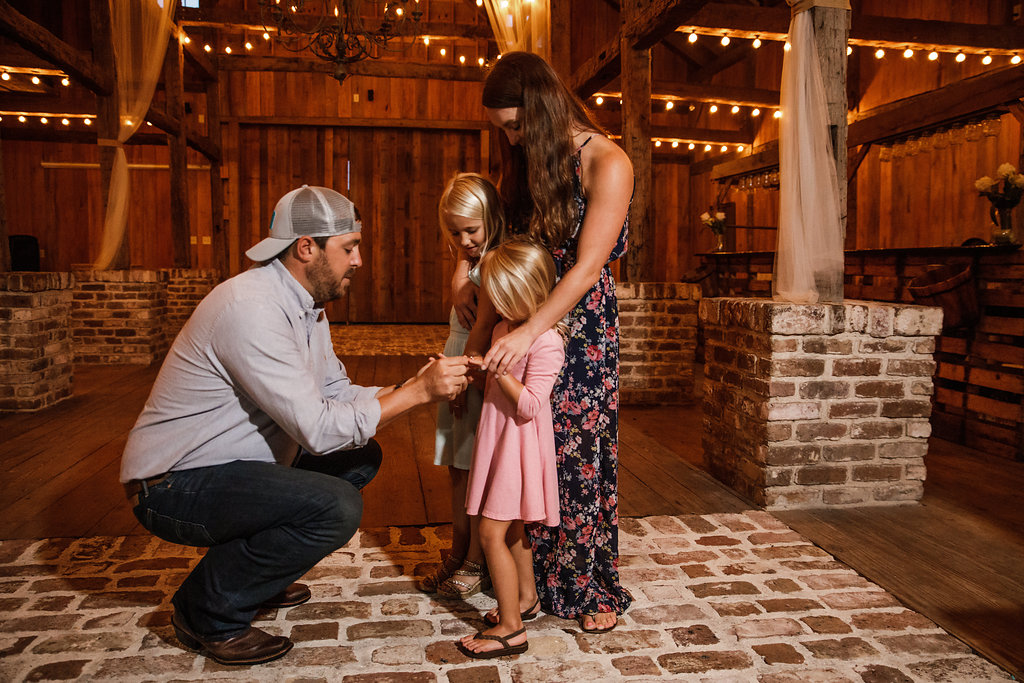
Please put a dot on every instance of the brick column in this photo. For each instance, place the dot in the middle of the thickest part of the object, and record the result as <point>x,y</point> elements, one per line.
<point>117,316</point>
<point>35,345</point>
<point>658,341</point>
<point>185,289</point>
<point>818,405</point>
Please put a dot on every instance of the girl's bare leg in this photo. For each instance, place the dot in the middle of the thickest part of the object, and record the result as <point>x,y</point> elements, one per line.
<point>522,555</point>
<point>505,581</point>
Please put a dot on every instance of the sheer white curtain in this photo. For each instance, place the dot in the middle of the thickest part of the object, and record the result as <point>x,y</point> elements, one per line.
<point>139,31</point>
<point>521,25</point>
<point>809,254</point>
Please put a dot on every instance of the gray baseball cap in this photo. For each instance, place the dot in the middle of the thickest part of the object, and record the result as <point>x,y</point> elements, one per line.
<point>310,212</point>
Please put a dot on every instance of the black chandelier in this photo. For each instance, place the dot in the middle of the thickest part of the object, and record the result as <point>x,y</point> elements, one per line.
<point>336,30</point>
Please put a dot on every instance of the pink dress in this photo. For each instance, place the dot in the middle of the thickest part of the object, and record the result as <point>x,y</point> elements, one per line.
<point>513,473</point>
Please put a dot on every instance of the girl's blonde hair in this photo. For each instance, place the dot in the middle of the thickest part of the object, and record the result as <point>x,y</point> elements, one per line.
<point>470,195</point>
<point>517,276</point>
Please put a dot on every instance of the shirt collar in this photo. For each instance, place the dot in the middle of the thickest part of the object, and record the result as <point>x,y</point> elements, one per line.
<point>303,299</point>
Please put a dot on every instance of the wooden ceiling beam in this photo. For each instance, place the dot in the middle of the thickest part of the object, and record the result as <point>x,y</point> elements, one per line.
<point>367,67</point>
<point>721,94</point>
<point>658,20</point>
<point>747,21</point>
<point>40,42</point>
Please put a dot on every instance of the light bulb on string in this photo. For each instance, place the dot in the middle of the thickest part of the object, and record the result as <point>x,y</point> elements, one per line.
<point>735,109</point>
<point>208,48</point>
<point>786,46</point>
<point>248,45</point>
<point>675,143</point>
<point>5,76</point>
<point>908,53</point>
<point>755,112</point>
<point>443,52</point>
<point>933,55</point>
<point>87,121</point>
<point>22,119</point>
<point>1015,59</point>
<point>778,114</point>
<point>725,40</point>
<point>691,146</point>
<point>43,120</point>
<point>480,61</point>
<point>849,50</point>
<point>725,148</point>
<point>879,53</point>
<point>65,122</point>
<point>986,60</point>
<point>462,59</point>
<point>669,104</point>
<point>657,143</point>
<point>713,108</point>
<point>692,37</point>
<point>960,57</point>
<point>35,80</point>
<point>266,35</point>
<point>707,148</point>
<point>65,81</point>
<point>740,148</point>
<point>426,40</point>
<point>599,101</point>
<point>757,43</point>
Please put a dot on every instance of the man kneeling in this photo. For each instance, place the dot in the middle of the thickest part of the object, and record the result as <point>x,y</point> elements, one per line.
<point>254,442</point>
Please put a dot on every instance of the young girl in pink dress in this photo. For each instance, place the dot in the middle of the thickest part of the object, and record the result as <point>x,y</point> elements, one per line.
<point>513,479</point>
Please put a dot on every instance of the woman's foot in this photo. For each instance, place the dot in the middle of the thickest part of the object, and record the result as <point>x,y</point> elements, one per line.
<point>531,610</point>
<point>430,584</point>
<point>602,622</point>
<point>494,642</point>
<point>469,579</point>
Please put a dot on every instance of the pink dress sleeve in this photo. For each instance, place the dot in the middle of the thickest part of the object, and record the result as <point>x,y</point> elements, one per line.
<point>543,363</point>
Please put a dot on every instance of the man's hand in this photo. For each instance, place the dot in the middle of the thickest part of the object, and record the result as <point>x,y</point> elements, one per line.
<point>444,377</point>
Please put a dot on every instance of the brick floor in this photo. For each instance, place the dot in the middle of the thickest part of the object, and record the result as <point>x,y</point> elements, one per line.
<point>736,597</point>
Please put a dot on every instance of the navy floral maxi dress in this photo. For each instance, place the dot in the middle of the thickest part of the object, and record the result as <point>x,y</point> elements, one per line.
<point>576,564</point>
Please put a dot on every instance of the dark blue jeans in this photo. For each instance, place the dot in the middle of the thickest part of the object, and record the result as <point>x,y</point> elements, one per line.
<point>265,526</point>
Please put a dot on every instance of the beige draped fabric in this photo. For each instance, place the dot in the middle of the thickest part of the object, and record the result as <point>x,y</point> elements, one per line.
<point>809,254</point>
<point>521,25</point>
<point>139,31</point>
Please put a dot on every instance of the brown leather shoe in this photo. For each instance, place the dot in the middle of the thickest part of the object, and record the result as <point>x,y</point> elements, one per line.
<point>295,594</point>
<point>254,646</point>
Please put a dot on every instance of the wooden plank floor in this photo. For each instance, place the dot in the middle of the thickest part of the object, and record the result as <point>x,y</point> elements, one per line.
<point>956,557</point>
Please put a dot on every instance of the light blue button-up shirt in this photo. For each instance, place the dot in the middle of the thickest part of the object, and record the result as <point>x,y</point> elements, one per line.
<point>251,376</point>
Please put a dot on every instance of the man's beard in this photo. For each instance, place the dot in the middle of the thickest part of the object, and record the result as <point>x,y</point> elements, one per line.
<point>325,286</point>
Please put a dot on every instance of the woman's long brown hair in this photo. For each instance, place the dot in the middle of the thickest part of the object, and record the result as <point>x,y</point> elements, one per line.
<point>538,186</point>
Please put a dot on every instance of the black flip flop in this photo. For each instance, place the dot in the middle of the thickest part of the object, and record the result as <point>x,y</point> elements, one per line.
<point>527,614</point>
<point>500,652</point>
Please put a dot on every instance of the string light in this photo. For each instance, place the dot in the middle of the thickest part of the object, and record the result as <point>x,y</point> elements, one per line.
<point>713,108</point>
<point>986,60</point>
<point>725,148</point>
<point>849,50</point>
<point>599,101</point>
<point>35,80</point>
<point>725,40</point>
<point>227,50</point>
<point>879,53</point>
<point>248,45</point>
<point>5,76</point>
<point>778,114</point>
<point>669,105</point>
<point>479,3</point>
<point>1015,59</point>
<point>443,52</point>
<point>426,40</point>
<point>691,146</point>
<point>480,61</point>
<point>266,35</point>
<point>208,48</point>
<point>707,148</point>
<point>908,53</point>
<point>692,37</point>
<point>675,143</point>
<point>786,46</point>
<point>22,119</point>
<point>756,43</point>
<point>185,39</point>
<point>657,143</point>
<point>755,112</point>
<point>65,122</point>
<point>462,59</point>
<point>87,121</point>
<point>960,56</point>
<point>65,81</point>
<point>933,55</point>
<point>735,109</point>
<point>43,120</point>
<point>740,148</point>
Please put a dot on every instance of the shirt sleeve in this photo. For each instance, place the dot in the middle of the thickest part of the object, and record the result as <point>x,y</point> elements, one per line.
<point>543,363</point>
<point>258,349</point>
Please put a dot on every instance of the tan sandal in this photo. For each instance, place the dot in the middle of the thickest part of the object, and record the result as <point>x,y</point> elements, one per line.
<point>430,584</point>
<point>469,579</point>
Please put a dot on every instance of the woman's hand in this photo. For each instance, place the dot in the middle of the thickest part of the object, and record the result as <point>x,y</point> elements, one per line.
<point>508,350</point>
<point>464,294</point>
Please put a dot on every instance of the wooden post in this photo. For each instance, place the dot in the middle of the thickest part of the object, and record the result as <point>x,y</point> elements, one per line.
<point>636,140</point>
<point>560,16</point>
<point>221,251</point>
<point>5,247</point>
<point>174,65</point>
<point>107,116</point>
<point>831,30</point>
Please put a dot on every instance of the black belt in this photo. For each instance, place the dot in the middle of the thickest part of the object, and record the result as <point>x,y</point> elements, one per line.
<point>137,486</point>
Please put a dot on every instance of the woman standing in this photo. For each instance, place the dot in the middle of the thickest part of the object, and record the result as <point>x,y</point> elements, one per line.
<point>568,187</point>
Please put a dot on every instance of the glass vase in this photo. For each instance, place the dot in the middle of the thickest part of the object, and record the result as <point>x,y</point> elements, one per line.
<point>719,241</point>
<point>1002,227</point>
